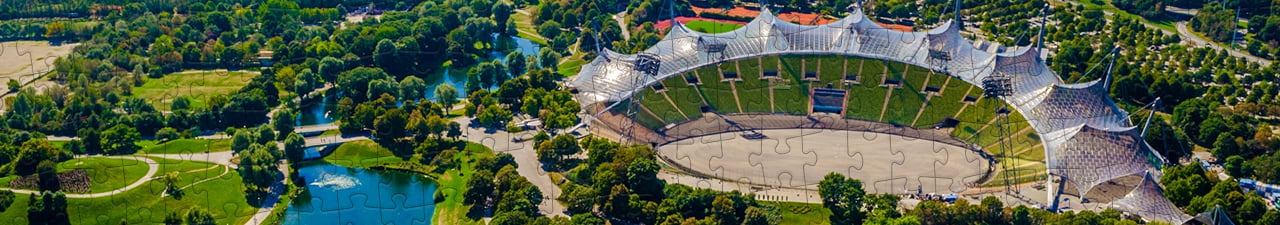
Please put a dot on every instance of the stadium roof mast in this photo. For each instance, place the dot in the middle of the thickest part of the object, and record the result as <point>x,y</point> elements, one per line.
<point>1044,21</point>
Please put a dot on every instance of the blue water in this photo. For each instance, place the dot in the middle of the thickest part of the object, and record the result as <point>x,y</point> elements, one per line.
<point>343,195</point>
<point>314,112</point>
<point>317,111</point>
<point>458,76</point>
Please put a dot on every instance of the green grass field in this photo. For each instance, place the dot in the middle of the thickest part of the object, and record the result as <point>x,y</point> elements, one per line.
<point>658,104</point>
<point>867,98</point>
<point>197,86</point>
<point>362,153</point>
<point>525,28</point>
<point>801,213</point>
<point>685,97</point>
<point>107,174</point>
<point>752,90</point>
<point>718,93</point>
<point>831,70</point>
<point>451,210</point>
<point>711,26</point>
<point>182,166</point>
<point>905,102</point>
<point>189,146</point>
<point>944,105</point>
<point>223,197</point>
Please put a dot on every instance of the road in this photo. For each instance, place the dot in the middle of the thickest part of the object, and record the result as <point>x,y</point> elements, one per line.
<point>1195,41</point>
<point>622,23</point>
<point>1186,34</point>
<point>152,167</point>
<point>525,155</point>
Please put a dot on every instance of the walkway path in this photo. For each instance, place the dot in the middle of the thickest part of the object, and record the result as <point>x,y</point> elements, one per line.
<point>151,172</point>
<point>526,157</point>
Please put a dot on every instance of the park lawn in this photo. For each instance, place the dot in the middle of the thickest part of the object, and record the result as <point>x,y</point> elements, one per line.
<point>753,91</point>
<point>189,146</point>
<point>711,27</point>
<point>718,93</point>
<point>658,104</point>
<point>831,70</point>
<point>106,174</point>
<point>451,210</point>
<point>197,86</point>
<point>59,144</point>
<point>224,198</point>
<point>945,105</point>
<point>1162,23</point>
<point>685,96</point>
<point>362,154</point>
<point>571,67</point>
<point>800,213</point>
<point>866,99</point>
<point>525,28</point>
<point>17,211</point>
<point>182,166</point>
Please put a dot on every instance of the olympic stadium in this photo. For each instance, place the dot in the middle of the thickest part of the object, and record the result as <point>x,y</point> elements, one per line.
<point>779,104</point>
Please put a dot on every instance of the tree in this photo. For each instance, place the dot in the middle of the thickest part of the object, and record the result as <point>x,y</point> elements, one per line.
<point>167,134</point>
<point>171,188</point>
<point>455,130</point>
<point>199,216</point>
<point>391,125</point>
<point>284,121</point>
<point>173,219</point>
<point>330,67</point>
<point>548,58</point>
<point>516,63</point>
<point>722,209</point>
<point>755,216</point>
<point>294,147</point>
<point>555,150</point>
<point>412,88</point>
<point>446,95</point>
<point>843,196</point>
<point>257,169</point>
<point>240,140</point>
<point>549,29</point>
<point>13,85</point>
<point>120,140</point>
<point>265,135</point>
<point>386,56</point>
<point>480,187</point>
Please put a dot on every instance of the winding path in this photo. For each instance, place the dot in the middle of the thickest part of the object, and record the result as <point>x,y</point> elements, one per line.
<point>151,172</point>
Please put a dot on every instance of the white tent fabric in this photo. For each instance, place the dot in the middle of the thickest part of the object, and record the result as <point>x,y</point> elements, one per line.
<point>1087,137</point>
<point>1147,200</point>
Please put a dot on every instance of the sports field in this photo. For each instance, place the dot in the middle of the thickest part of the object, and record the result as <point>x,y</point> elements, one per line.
<point>799,158</point>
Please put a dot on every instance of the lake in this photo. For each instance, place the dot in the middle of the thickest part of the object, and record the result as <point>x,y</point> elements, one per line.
<point>344,195</point>
<point>315,112</point>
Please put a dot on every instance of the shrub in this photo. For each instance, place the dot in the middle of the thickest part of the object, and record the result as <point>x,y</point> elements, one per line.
<point>167,134</point>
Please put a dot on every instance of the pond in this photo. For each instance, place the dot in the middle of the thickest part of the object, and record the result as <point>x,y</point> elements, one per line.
<point>344,195</point>
<point>317,112</point>
<point>458,76</point>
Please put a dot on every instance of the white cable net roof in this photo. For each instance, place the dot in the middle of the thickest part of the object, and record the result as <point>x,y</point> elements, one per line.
<point>1147,200</point>
<point>1088,156</point>
<point>1087,138</point>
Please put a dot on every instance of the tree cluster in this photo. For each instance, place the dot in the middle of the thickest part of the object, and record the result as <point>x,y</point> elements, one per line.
<point>1197,191</point>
